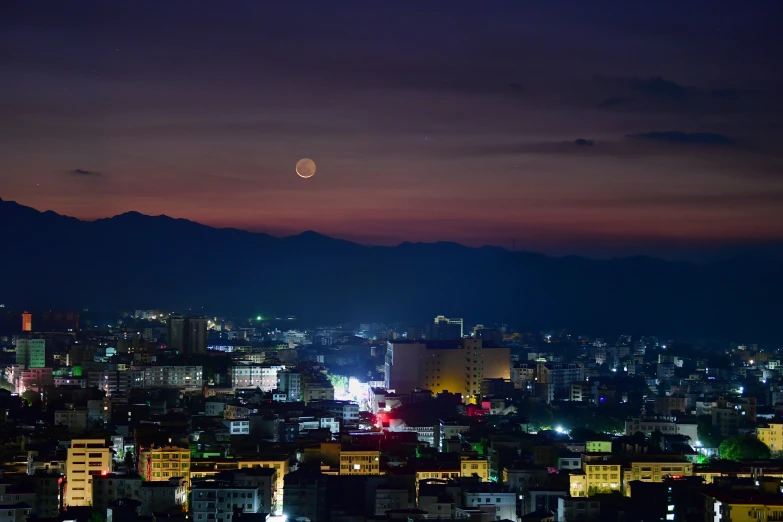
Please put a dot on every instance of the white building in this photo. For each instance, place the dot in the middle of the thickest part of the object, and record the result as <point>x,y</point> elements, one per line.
<point>211,499</point>
<point>485,495</point>
<point>237,426</point>
<point>666,427</point>
<point>214,408</point>
<point>254,376</point>
<point>185,377</point>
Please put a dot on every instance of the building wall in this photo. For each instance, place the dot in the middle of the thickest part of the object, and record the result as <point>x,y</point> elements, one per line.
<point>85,458</point>
<point>360,462</point>
<point>455,366</point>
<point>162,464</point>
<point>772,436</point>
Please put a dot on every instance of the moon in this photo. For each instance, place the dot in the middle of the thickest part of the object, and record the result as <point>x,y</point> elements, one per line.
<point>305,167</point>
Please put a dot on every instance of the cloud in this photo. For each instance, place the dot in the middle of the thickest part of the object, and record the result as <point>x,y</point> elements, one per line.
<point>613,101</point>
<point>584,142</point>
<point>691,138</point>
<point>85,173</point>
<point>658,93</point>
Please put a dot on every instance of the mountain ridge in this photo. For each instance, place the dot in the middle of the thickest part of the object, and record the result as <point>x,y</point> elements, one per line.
<point>137,261</point>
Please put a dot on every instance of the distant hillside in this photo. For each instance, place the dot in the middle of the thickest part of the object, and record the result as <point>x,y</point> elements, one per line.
<point>137,261</point>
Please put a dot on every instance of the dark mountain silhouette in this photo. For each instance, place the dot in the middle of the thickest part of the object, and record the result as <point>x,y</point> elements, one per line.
<point>137,261</point>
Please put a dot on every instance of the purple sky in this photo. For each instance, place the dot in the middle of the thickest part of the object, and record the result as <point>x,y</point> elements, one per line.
<point>564,127</point>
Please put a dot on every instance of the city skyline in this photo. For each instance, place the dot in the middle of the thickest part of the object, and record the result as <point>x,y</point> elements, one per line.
<point>541,127</point>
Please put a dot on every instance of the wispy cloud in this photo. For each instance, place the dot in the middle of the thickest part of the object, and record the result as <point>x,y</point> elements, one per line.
<point>85,173</point>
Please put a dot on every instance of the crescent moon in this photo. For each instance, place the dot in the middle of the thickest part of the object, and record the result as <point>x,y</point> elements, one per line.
<point>305,167</point>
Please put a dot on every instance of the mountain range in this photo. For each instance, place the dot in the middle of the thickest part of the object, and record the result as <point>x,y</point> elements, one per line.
<point>135,261</point>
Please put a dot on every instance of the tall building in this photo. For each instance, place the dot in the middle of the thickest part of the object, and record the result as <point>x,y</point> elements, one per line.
<point>86,458</point>
<point>444,329</point>
<point>457,366</point>
<point>31,353</point>
<point>187,335</point>
<point>555,379</point>
<point>27,322</point>
<point>289,382</point>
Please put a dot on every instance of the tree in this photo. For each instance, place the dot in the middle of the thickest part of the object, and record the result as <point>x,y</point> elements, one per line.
<point>129,459</point>
<point>31,397</point>
<point>96,516</point>
<point>743,447</point>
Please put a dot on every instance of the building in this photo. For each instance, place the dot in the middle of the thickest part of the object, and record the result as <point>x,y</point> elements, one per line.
<point>743,506</point>
<point>31,353</point>
<point>49,489</point>
<point>445,329</point>
<point>772,436</point>
<point>583,391</point>
<point>219,500</point>
<point>306,496</point>
<point>86,459</point>
<point>667,426</point>
<point>554,379</point>
<point>237,426</point>
<point>254,376</point>
<point>107,489</point>
<point>162,464</point>
<point>289,382</point>
<point>456,366</point>
<point>210,468</point>
<point>483,495</point>
<point>654,470</point>
<point>74,420</point>
<point>359,462</point>
<point>598,446</point>
<point>27,322</point>
<point>598,476</point>
<point>184,377</point>
<point>346,411</point>
<point>670,405</point>
<point>475,467</point>
<point>15,512</point>
<point>160,497</point>
<point>387,499</point>
<point>187,335</point>
<point>313,390</point>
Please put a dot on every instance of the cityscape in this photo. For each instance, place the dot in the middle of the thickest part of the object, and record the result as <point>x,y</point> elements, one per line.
<point>410,261</point>
<point>158,414</point>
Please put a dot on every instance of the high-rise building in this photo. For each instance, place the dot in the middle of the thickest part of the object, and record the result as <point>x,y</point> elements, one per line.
<point>457,366</point>
<point>554,379</point>
<point>444,329</point>
<point>187,335</point>
<point>289,382</point>
<point>196,335</point>
<point>27,322</point>
<point>86,458</point>
<point>31,353</point>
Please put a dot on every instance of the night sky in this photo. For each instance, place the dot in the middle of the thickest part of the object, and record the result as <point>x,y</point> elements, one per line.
<point>581,127</point>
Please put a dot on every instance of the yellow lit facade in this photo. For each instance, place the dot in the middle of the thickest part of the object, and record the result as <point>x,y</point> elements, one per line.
<point>772,436</point>
<point>598,446</point>
<point>597,478</point>
<point>360,462</point>
<point>655,472</point>
<point>728,510</point>
<point>478,467</point>
<point>161,464</point>
<point>209,467</point>
<point>86,458</point>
